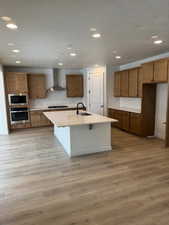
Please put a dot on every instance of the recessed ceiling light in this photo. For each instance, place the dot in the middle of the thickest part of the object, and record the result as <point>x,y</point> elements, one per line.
<point>114,52</point>
<point>60,64</point>
<point>96,35</point>
<point>6,18</point>
<point>154,36</point>
<point>12,26</point>
<point>11,44</point>
<point>18,61</point>
<point>96,65</point>
<point>118,57</point>
<point>158,42</point>
<point>16,50</point>
<point>92,29</point>
<point>73,54</point>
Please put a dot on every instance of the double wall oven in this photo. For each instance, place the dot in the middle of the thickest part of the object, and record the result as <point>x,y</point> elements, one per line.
<point>18,108</point>
<point>18,99</point>
<point>19,115</point>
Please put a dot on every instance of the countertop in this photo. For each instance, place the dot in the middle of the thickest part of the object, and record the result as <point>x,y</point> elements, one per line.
<point>127,109</point>
<point>69,118</point>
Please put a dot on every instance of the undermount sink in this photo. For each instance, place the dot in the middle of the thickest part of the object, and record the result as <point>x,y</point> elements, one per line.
<point>84,114</point>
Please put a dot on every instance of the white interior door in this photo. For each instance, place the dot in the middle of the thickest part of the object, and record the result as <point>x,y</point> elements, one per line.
<point>96,92</point>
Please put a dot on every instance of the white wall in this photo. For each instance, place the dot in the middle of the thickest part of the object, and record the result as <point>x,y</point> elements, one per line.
<point>3,113</point>
<point>56,97</point>
<point>135,103</point>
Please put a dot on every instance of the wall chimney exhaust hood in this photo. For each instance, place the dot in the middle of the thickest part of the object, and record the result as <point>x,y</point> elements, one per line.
<point>56,86</point>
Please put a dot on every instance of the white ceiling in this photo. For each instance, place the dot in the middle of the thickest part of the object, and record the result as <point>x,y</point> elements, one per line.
<point>46,27</point>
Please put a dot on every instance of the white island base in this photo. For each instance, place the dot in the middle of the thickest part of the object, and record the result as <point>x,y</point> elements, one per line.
<point>84,139</point>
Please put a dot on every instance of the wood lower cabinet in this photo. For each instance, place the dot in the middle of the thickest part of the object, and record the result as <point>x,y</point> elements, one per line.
<point>128,121</point>
<point>37,86</point>
<point>136,123</point>
<point>122,117</point>
<point>38,119</point>
<point>74,85</point>
<point>20,126</point>
<point>16,82</point>
<point>44,120</point>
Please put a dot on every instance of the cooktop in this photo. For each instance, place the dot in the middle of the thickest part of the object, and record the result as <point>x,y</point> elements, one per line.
<point>57,106</point>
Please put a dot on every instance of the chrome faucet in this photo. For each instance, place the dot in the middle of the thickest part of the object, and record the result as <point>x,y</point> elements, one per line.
<point>77,108</point>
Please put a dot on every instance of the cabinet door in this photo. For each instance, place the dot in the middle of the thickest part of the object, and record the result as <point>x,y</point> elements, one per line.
<point>35,119</point>
<point>136,123</point>
<point>140,82</point>
<point>16,82</point>
<point>148,72</point>
<point>44,120</point>
<point>133,83</point>
<point>116,114</point>
<point>117,84</point>
<point>74,85</point>
<point>161,70</point>
<point>37,86</point>
<point>21,83</point>
<point>124,83</point>
<point>125,117</point>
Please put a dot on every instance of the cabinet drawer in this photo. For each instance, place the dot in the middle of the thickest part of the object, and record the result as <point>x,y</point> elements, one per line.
<point>20,126</point>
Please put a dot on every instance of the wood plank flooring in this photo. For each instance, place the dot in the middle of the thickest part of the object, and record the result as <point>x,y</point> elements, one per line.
<point>40,185</point>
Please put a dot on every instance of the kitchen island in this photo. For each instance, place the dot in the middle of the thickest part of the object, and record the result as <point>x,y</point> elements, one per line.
<point>81,134</point>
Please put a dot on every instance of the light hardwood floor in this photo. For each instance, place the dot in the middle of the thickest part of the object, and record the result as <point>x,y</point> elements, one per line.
<point>40,185</point>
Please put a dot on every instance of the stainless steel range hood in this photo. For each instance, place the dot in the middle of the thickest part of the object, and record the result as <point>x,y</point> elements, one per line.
<point>56,86</point>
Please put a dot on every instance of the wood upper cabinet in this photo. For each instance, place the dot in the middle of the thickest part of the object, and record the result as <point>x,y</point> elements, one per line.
<point>140,82</point>
<point>117,84</point>
<point>148,72</point>
<point>155,72</point>
<point>133,82</point>
<point>161,70</point>
<point>16,82</point>
<point>74,85</point>
<point>37,86</point>
<point>124,83</point>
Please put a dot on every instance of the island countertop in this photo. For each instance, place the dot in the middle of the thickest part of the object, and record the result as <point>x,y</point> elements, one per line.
<point>70,118</point>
